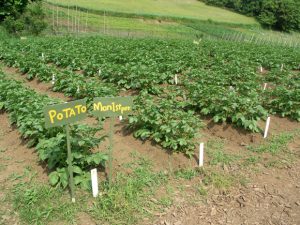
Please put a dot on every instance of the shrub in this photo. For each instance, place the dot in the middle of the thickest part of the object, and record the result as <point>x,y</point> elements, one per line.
<point>282,15</point>
<point>30,22</point>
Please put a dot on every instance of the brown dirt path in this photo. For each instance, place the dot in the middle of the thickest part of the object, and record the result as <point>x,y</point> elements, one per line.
<point>39,87</point>
<point>15,158</point>
<point>271,198</point>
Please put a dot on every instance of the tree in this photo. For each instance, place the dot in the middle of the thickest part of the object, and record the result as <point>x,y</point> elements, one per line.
<point>20,17</point>
<point>13,8</point>
<point>281,15</point>
<point>288,15</point>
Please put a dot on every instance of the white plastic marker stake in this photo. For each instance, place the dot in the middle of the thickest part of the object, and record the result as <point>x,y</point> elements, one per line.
<point>176,79</point>
<point>267,127</point>
<point>281,68</point>
<point>53,79</point>
<point>94,177</point>
<point>265,86</point>
<point>99,72</point>
<point>201,154</point>
<point>120,118</point>
<point>261,69</point>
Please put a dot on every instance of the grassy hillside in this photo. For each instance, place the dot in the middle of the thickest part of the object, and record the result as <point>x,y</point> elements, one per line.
<point>192,9</point>
<point>131,19</point>
<point>62,20</point>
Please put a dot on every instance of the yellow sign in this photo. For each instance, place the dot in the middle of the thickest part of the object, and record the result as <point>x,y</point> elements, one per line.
<point>62,114</point>
<point>112,106</point>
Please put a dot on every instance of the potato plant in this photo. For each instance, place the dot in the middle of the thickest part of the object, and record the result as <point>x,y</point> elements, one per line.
<point>25,108</point>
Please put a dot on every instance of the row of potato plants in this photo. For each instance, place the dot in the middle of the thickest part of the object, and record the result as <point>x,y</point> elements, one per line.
<point>25,108</point>
<point>134,56</point>
<point>220,79</point>
<point>71,84</point>
<point>68,85</point>
<point>166,120</point>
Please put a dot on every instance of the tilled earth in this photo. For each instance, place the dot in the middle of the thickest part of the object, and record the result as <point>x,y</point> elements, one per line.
<point>272,197</point>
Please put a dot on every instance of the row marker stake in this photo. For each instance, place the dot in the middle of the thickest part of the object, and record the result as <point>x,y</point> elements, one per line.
<point>201,154</point>
<point>267,127</point>
<point>265,86</point>
<point>53,79</point>
<point>94,177</point>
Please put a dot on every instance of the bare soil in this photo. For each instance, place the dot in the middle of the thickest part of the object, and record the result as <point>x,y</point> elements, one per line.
<point>39,87</point>
<point>15,157</point>
<point>272,197</point>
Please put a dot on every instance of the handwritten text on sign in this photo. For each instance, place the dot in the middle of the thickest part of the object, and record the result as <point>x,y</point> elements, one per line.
<point>112,106</point>
<point>66,113</point>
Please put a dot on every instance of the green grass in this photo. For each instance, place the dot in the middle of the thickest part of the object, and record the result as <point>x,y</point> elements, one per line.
<point>94,23</point>
<point>136,195</point>
<point>41,204</point>
<point>126,201</point>
<point>275,144</point>
<point>217,155</point>
<point>187,174</point>
<point>191,9</point>
<point>3,33</point>
<point>275,150</point>
<point>124,24</point>
<point>202,190</point>
<point>219,180</point>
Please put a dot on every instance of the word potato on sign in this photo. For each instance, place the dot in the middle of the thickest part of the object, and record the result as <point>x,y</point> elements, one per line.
<point>66,113</point>
<point>112,106</point>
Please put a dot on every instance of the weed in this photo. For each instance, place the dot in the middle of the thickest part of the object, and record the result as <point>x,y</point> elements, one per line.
<point>275,144</point>
<point>215,151</point>
<point>40,204</point>
<point>202,191</point>
<point>166,201</point>
<point>252,160</point>
<point>279,163</point>
<point>127,198</point>
<point>243,181</point>
<point>14,176</point>
<point>218,180</point>
<point>187,174</point>
<point>220,157</point>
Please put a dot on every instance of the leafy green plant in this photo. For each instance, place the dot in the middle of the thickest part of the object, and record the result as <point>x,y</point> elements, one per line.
<point>165,122</point>
<point>217,79</point>
<point>25,108</point>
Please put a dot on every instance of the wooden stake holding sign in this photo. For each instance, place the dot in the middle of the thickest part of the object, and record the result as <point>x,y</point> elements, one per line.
<point>63,115</point>
<point>112,107</point>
